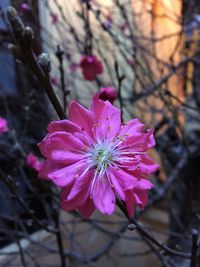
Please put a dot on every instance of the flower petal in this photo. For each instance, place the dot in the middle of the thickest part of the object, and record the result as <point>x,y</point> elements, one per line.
<point>130,203</point>
<point>107,120</point>
<point>138,142</point>
<point>147,166</point>
<point>82,184</point>
<point>117,185</point>
<point>70,127</point>
<point>131,127</point>
<point>103,197</point>
<point>3,125</point>
<point>79,193</point>
<point>65,157</point>
<point>141,197</point>
<point>81,116</point>
<point>144,184</point>
<point>63,126</point>
<point>87,208</point>
<point>59,173</point>
<point>62,141</point>
<point>126,180</point>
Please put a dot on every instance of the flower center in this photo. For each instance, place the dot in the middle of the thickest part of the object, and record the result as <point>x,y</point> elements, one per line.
<point>101,156</point>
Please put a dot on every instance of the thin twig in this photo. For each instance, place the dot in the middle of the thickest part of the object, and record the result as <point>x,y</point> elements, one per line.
<point>59,54</point>
<point>147,235</point>
<point>120,79</point>
<point>195,235</point>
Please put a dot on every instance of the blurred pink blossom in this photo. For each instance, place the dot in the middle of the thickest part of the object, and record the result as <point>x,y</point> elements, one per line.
<point>24,7</point>
<point>3,125</point>
<point>54,81</point>
<point>33,162</point>
<point>107,93</point>
<point>95,158</point>
<point>54,18</point>
<point>131,61</point>
<point>91,67</point>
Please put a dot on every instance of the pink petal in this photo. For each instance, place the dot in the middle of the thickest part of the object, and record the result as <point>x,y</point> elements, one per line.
<point>133,197</point>
<point>3,125</point>
<point>62,141</point>
<point>131,127</point>
<point>127,162</point>
<point>107,119</point>
<point>103,197</point>
<point>117,186</point>
<point>126,180</point>
<point>81,116</point>
<point>59,174</point>
<point>33,162</point>
<point>151,140</point>
<point>87,208</point>
<point>82,183</point>
<point>141,197</point>
<point>147,166</point>
<point>68,126</point>
<point>65,157</point>
<point>138,142</point>
<point>130,203</point>
<point>79,193</point>
<point>63,126</point>
<point>144,184</point>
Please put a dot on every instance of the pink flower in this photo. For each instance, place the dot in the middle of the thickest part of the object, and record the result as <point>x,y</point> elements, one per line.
<point>54,18</point>
<point>95,159</point>
<point>131,61</point>
<point>91,67</point>
<point>24,7</point>
<point>54,81</point>
<point>107,93</point>
<point>3,125</point>
<point>33,162</point>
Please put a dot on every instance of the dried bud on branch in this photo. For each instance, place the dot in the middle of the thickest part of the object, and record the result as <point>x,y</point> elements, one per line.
<point>45,63</point>
<point>16,24</point>
<point>16,52</point>
<point>28,35</point>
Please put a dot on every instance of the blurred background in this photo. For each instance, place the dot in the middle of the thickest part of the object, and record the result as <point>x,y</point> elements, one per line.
<point>154,45</point>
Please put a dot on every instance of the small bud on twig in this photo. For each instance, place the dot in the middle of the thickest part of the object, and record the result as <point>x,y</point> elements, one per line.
<point>131,227</point>
<point>16,24</point>
<point>28,35</point>
<point>12,49</point>
<point>16,52</point>
<point>45,63</point>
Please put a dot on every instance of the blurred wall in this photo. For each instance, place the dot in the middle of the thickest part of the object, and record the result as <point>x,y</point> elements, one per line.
<point>158,24</point>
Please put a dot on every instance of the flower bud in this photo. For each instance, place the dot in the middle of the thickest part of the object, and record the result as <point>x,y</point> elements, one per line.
<point>16,24</point>
<point>45,63</point>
